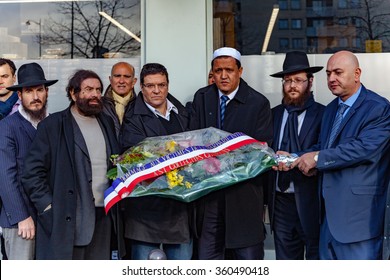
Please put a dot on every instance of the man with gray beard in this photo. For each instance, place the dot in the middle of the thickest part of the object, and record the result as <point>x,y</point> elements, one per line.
<point>65,175</point>
<point>294,199</point>
<point>17,214</point>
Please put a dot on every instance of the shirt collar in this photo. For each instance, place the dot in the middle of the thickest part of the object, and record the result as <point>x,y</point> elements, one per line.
<point>170,107</point>
<point>230,95</point>
<point>24,114</point>
<point>352,99</point>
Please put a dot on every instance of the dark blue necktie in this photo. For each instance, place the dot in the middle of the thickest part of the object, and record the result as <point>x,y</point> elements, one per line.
<point>224,100</point>
<point>336,124</point>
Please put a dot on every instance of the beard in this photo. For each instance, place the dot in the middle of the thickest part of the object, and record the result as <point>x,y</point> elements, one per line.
<point>297,101</point>
<point>88,109</point>
<point>37,115</point>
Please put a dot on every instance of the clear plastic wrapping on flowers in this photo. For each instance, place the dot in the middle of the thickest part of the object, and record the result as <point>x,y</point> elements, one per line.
<point>189,165</point>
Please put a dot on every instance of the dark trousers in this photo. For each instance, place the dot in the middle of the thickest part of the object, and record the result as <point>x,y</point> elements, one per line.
<point>100,246</point>
<point>211,244</point>
<point>291,242</point>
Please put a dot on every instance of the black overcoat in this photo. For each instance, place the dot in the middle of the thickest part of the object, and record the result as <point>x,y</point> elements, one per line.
<point>248,112</point>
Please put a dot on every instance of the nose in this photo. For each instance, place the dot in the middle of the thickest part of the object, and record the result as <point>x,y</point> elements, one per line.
<point>156,89</point>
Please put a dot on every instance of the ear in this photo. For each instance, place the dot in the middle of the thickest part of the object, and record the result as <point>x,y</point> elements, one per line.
<point>134,81</point>
<point>20,95</point>
<point>72,95</point>
<point>240,71</point>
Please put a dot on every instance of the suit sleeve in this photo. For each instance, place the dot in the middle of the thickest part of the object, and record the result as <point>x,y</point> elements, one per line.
<point>264,124</point>
<point>365,145</point>
<point>35,177</point>
<point>132,132</point>
<point>10,188</point>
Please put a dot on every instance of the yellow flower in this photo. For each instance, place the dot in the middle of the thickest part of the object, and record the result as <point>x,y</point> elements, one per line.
<point>188,185</point>
<point>170,146</point>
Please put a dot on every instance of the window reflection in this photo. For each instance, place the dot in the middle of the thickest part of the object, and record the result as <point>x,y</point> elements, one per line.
<point>313,26</point>
<point>69,29</point>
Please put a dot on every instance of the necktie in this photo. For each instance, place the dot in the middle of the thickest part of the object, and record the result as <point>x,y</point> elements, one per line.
<point>336,124</point>
<point>224,100</point>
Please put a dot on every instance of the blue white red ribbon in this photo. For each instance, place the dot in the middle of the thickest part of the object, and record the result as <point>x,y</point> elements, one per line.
<point>123,186</point>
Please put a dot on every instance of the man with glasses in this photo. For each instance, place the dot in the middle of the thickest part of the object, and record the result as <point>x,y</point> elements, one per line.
<point>294,201</point>
<point>65,175</point>
<point>120,93</point>
<point>153,222</point>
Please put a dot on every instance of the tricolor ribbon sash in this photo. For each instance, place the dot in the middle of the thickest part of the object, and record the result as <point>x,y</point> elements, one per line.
<point>123,186</point>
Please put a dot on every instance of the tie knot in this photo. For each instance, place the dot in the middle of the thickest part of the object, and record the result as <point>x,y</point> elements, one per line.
<point>225,98</point>
<point>342,108</point>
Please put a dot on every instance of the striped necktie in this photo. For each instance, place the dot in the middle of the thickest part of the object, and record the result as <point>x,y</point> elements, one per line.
<point>336,124</point>
<point>224,100</point>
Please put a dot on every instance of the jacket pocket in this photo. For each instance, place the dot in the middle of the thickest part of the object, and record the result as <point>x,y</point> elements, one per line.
<point>46,221</point>
<point>372,190</point>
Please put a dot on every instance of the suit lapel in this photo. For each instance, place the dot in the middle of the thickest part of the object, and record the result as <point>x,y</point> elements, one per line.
<point>27,127</point>
<point>278,117</point>
<point>310,117</point>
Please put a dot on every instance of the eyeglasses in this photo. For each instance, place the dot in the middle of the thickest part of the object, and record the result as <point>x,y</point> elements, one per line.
<point>289,82</point>
<point>153,86</point>
<point>90,90</point>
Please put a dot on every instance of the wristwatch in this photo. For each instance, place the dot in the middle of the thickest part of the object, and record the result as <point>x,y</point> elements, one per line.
<point>316,157</point>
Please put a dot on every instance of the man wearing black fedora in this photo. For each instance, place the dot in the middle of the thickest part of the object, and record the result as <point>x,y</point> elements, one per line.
<point>17,214</point>
<point>293,201</point>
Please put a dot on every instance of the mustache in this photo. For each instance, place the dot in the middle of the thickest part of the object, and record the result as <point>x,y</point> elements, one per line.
<point>37,101</point>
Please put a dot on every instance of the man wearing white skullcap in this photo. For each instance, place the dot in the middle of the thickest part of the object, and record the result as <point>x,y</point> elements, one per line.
<point>232,218</point>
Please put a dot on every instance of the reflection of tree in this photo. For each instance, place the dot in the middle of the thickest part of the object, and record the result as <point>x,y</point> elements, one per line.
<point>372,20</point>
<point>86,33</point>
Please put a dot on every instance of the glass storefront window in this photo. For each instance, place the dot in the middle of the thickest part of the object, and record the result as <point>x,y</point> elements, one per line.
<point>70,29</point>
<point>320,24</point>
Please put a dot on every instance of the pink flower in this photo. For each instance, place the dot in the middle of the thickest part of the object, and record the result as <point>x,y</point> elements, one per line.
<point>212,165</point>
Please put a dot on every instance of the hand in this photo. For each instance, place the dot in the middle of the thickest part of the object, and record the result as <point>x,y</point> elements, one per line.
<point>306,164</point>
<point>281,165</point>
<point>26,228</point>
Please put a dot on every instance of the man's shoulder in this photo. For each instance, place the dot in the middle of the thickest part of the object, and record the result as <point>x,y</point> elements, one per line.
<point>206,89</point>
<point>10,120</point>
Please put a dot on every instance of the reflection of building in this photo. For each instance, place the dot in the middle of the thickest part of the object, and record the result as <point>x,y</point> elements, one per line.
<point>314,26</point>
<point>10,46</point>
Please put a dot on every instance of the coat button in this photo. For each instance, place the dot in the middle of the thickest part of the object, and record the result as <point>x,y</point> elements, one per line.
<point>70,192</point>
<point>68,219</point>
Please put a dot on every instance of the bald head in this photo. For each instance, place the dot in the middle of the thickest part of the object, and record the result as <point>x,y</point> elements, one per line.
<point>343,74</point>
<point>122,78</point>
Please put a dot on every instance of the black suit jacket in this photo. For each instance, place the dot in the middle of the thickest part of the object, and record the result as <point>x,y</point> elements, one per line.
<point>306,188</point>
<point>248,112</point>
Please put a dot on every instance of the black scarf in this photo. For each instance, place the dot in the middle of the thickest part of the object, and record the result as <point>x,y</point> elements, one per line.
<point>290,140</point>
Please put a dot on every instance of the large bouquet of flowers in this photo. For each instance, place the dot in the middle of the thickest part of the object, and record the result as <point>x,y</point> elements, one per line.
<point>188,165</point>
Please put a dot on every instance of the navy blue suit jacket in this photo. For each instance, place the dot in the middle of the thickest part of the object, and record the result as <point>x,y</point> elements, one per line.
<point>356,169</point>
<point>305,188</point>
<point>16,135</point>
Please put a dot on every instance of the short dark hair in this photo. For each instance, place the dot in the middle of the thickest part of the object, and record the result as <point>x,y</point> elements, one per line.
<point>77,78</point>
<point>11,64</point>
<point>151,69</point>
<point>237,61</point>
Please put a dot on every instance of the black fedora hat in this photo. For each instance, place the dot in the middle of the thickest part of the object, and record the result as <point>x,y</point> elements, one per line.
<point>296,61</point>
<point>30,75</point>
